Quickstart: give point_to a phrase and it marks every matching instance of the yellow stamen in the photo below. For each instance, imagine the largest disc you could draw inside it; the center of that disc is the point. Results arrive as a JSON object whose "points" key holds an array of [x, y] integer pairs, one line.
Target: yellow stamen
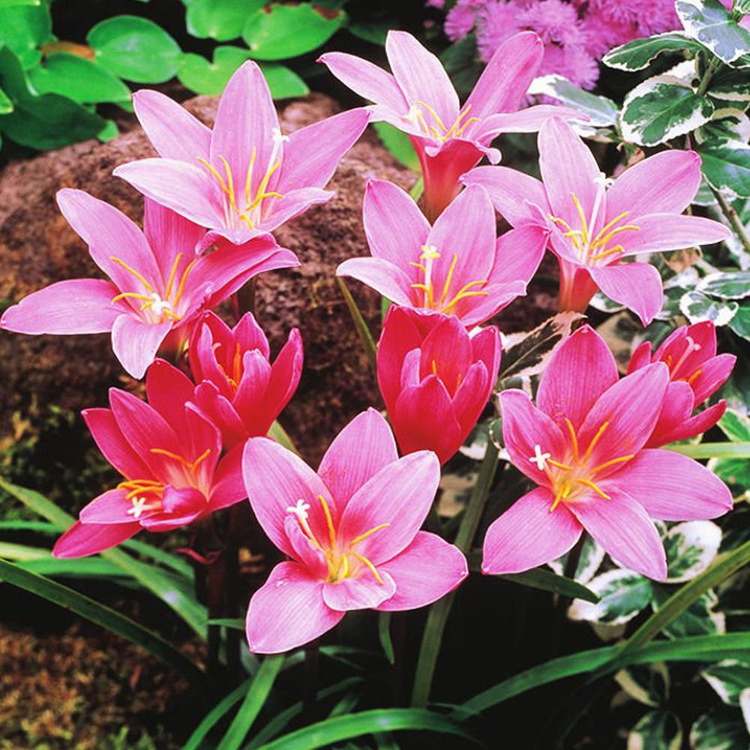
{"points": [[183, 280], [133, 271], [584, 225], [172, 275], [590, 484], [249, 179], [433, 113], [694, 377], [559, 465], [607, 464], [364, 560], [364, 536], [329, 520], [217, 175], [574, 438], [130, 295], [448, 279], [593, 443]]}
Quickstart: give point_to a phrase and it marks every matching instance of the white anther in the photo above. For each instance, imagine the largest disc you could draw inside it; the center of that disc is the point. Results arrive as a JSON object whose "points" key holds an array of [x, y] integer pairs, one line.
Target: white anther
{"points": [[159, 305], [539, 458], [139, 505], [278, 136]]}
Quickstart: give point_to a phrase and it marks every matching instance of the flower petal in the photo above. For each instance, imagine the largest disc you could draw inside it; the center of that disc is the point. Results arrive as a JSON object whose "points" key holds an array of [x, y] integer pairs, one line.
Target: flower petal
{"points": [[113, 445], [75, 306], [528, 534], [662, 232], [136, 343], [635, 285], [288, 611], [696, 425], [168, 390], [358, 452], [81, 539], [294, 203], [424, 572], [361, 592], [527, 120], [111, 506], [380, 275], [622, 527], [228, 485], [711, 376]]}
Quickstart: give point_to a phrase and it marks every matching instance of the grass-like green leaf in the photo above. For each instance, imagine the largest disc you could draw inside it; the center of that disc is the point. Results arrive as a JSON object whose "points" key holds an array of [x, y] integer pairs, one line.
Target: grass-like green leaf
{"points": [[215, 715]]}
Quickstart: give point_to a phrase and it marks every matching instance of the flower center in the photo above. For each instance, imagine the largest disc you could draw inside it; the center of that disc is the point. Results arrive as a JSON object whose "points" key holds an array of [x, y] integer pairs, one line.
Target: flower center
{"points": [[343, 561], [674, 367], [574, 476], [429, 122], [443, 302], [144, 494]]}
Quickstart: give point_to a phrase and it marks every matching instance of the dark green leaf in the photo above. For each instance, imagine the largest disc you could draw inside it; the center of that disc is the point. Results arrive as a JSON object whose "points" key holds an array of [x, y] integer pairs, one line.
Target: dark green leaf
{"points": [[726, 165], [463, 64], [697, 307], [384, 633], [691, 548], [637, 55], [279, 32], [221, 20], [398, 144], [721, 729], [135, 49], [740, 323], [622, 594], [215, 715], [698, 618], [710, 23], [728, 679], [372, 31], [657, 730], [6, 105]]}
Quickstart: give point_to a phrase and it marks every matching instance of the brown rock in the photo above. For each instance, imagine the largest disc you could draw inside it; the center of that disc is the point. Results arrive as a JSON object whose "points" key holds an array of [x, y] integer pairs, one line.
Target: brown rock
{"points": [[37, 247]]}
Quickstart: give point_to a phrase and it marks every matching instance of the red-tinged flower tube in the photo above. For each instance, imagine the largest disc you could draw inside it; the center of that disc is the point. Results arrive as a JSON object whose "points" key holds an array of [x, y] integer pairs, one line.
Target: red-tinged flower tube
{"points": [[435, 378]]}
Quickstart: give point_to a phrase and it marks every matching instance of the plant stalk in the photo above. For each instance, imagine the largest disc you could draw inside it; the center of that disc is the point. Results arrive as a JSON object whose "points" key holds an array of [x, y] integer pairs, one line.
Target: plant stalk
{"points": [[732, 217]]}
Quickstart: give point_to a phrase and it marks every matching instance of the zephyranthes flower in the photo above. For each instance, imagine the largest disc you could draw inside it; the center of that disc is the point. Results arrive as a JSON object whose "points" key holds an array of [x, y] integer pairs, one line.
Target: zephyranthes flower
{"points": [[351, 531], [583, 444], [158, 286], [169, 456], [595, 223], [456, 267], [435, 378], [244, 177], [239, 389], [420, 99], [695, 373]]}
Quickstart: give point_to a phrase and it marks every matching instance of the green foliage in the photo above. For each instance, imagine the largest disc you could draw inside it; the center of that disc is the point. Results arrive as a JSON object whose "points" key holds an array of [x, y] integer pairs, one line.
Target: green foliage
{"points": [[221, 20], [657, 730], [711, 24]]}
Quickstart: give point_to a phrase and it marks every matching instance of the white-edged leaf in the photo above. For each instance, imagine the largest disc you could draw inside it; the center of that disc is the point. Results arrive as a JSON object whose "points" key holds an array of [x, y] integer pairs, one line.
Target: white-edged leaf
{"points": [[711, 24], [726, 285], [646, 683], [745, 707], [589, 561], [602, 112], [623, 593], [690, 548], [697, 307], [720, 729], [726, 125], [639, 53], [728, 678], [735, 426], [657, 730], [726, 165], [698, 619]]}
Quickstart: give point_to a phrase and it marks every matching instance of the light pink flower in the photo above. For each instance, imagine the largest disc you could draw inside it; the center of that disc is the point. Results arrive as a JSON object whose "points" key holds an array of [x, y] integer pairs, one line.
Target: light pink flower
{"points": [[435, 378], [351, 531], [584, 445], [244, 177], [695, 373], [158, 286], [595, 225], [419, 99], [169, 456], [239, 389], [455, 267]]}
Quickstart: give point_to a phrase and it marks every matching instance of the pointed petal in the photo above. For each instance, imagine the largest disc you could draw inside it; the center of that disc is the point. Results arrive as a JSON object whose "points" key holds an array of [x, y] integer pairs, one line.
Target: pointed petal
{"points": [[172, 130], [288, 611], [180, 506], [635, 285], [399, 495], [622, 527], [136, 343], [380, 275], [578, 373], [640, 357], [421, 76], [472, 396], [358, 452], [113, 445], [527, 120], [313, 152], [528, 534], [228, 485], [661, 232], [361, 592], [673, 487], [81, 540], [395, 227], [168, 390], [663, 183], [285, 375], [111, 506], [675, 412], [712, 375], [700, 423], [294, 203], [519, 253], [525, 427], [424, 572], [75, 306]]}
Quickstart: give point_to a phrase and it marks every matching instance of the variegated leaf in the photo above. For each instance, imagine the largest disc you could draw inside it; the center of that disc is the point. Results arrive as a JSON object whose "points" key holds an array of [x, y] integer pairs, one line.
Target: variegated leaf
{"points": [[623, 594], [697, 307], [721, 729], [711, 24], [639, 53], [657, 730], [690, 548], [728, 679]]}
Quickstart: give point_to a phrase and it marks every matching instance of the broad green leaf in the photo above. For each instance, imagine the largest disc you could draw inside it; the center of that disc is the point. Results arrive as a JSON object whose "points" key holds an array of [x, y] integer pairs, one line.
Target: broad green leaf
{"points": [[283, 82], [254, 701], [657, 730], [371, 31], [602, 112], [10, 3], [690, 548], [727, 165], [729, 85], [699, 618], [726, 285], [135, 49], [221, 20], [215, 715], [728, 679], [637, 55], [79, 79], [101, 615], [341, 728], [6, 105], [622, 595], [461, 61], [711, 24], [24, 28], [398, 144], [646, 683], [740, 323], [721, 729], [696, 307], [728, 126], [204, 77], [733, 471], [279, 32], [735, 426], [604, 661], [109, 131], [662, 108]]}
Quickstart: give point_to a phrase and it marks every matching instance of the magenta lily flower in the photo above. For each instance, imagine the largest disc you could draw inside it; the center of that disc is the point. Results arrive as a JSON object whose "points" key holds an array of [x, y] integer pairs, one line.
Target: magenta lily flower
{"points": [[244, 177], [695, 373], [435, 378], [455, 267], [239, 389], [419, 99], [157, 286], [351, 532], [595, 225], [169, 456], [584, 445]]}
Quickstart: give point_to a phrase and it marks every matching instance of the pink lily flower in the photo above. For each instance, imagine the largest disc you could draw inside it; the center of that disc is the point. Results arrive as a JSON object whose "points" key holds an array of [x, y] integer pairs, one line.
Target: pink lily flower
{"points": [[435, 378], [455, 267], [239, 389], [157, 285], [351, 532], [695, 373], [584, 445], [244, 177], [419, 99], [595, 225], [169, 456]]}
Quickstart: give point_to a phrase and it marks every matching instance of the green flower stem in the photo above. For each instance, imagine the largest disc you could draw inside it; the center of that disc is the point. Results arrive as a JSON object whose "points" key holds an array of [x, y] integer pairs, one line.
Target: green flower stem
{"points": [[361, 325], [712, 450], [439, 612], [728, 210], [713, 65]]}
